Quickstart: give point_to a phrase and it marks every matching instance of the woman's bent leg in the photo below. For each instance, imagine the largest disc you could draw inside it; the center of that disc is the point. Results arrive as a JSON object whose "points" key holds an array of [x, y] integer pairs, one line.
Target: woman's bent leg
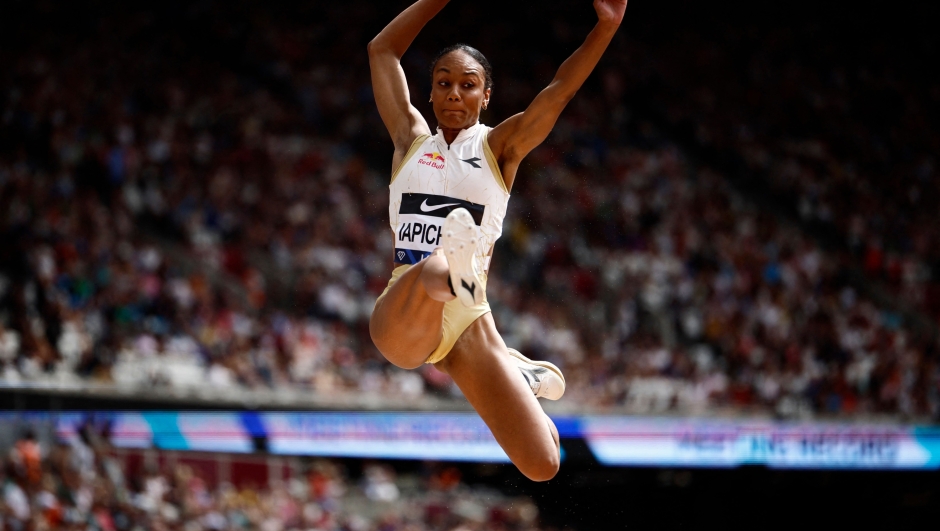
{"points": [[482, 368], [406, 322]]}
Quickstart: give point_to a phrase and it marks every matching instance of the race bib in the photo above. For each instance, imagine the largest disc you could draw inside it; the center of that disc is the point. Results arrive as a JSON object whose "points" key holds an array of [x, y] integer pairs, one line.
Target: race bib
{"points": [[420, 218]]}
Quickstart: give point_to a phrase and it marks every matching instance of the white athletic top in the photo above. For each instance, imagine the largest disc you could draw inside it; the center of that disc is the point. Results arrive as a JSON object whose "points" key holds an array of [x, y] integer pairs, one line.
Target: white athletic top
{"points": [[434, 179]]}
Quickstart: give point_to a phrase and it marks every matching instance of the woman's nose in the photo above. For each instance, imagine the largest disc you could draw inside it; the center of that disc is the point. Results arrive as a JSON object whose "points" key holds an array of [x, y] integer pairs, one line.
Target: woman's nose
{"points": [[453, 95]]}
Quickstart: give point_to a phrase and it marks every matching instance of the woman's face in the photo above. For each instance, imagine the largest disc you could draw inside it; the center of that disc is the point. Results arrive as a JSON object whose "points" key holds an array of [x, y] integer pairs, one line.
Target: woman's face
{"points": [[457, 91]]}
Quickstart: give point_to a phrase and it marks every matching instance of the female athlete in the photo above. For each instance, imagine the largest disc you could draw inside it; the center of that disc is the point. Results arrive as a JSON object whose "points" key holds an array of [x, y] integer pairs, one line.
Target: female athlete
{"points": [[449, 194]]}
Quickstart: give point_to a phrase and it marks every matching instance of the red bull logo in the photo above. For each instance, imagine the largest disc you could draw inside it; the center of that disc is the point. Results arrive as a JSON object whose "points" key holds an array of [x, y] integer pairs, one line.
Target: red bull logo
{"points": [[432, 159]]}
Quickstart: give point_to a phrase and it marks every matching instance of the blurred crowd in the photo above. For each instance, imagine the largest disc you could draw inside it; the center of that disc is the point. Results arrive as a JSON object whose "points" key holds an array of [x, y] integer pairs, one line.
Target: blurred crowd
{"points": [[82, 484], [689, 297], [839, 123], [191, 212]]}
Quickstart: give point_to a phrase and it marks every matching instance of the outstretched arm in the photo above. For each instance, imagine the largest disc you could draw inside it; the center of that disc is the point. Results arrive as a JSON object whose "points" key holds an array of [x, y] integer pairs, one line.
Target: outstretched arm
{"points": [[403, 121], [513, 139]]}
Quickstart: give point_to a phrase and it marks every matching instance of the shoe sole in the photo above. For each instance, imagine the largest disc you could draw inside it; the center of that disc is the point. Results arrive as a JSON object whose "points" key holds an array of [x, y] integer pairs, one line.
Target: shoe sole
{"points": [[460, 242], [545, 365]]}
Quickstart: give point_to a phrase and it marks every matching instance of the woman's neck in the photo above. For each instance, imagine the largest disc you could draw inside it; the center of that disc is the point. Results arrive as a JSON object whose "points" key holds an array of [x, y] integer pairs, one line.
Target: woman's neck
{"points": [[450, 134]]}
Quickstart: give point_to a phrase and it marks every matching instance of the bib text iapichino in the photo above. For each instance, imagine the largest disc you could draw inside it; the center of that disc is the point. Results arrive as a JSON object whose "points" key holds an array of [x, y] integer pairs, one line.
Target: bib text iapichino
{"points": [[420, 218]]}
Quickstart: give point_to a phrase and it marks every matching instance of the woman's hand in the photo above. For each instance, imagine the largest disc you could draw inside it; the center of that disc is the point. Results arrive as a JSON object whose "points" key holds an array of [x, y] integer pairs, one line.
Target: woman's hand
{"points": [[610, 11]]}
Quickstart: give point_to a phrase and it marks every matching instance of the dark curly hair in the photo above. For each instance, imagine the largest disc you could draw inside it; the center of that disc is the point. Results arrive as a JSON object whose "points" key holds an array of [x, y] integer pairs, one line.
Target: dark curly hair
{"points": [[472, 52]]}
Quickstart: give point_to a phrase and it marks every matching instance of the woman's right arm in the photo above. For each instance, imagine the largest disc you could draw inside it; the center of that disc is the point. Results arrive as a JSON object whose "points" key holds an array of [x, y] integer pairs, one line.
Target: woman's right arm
{"points": [[403, 121]]}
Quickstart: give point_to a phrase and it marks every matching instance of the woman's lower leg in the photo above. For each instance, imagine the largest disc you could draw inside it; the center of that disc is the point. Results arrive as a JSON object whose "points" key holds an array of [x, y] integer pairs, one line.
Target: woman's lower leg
{"points": [[481, 367]]}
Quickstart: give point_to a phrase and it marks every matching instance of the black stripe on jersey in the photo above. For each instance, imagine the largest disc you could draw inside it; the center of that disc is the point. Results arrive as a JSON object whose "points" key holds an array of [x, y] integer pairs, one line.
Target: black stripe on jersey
{"points": [[438, 206]]}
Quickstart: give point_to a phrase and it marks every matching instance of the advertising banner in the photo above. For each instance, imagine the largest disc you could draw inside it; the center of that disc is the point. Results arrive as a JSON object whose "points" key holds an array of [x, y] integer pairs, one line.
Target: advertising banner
{"points": [[731, 443], [443, 436], [166, 430], [456, 436]]}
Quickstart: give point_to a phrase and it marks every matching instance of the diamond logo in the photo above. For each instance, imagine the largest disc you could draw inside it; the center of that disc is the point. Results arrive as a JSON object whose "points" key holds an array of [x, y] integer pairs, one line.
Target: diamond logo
{"points": [[401, 255]]}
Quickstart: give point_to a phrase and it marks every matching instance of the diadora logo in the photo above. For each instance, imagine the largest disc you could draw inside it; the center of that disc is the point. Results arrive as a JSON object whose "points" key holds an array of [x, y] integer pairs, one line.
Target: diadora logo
{"points": [[433, 159]]}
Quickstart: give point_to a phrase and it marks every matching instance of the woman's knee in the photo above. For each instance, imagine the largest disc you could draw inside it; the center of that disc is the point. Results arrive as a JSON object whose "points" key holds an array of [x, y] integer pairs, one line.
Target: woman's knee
{"points": [[403, 358], [543, 468], [548, 460], [376, 333]]}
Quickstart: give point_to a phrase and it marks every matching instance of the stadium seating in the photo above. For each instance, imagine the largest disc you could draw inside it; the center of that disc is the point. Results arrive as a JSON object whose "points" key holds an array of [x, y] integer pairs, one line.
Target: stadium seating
{"points": [[222, 224], [84, 483]]}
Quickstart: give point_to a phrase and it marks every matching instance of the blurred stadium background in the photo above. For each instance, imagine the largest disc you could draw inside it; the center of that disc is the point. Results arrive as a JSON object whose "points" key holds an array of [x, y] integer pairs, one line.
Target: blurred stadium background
{"points": [[729, 244]]}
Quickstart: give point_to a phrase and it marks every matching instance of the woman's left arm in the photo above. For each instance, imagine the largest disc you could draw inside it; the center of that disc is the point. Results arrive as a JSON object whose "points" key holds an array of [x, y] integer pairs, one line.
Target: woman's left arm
{"points": [[514, 138]]}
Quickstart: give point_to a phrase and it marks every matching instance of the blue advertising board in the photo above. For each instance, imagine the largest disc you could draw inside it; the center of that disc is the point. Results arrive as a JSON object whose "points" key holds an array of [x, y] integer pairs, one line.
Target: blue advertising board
{"points": [[730, 443], [614, 440]]}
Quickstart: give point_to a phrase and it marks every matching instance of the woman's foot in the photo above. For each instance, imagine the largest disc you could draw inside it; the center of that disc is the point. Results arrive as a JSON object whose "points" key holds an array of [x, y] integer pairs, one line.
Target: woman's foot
{"points": [[461, 243], [545, 379]]}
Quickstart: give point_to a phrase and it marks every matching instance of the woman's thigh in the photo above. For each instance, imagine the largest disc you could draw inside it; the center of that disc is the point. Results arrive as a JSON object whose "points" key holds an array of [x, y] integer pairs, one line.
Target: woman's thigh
{"points": [[481, 366], [406, 323]]}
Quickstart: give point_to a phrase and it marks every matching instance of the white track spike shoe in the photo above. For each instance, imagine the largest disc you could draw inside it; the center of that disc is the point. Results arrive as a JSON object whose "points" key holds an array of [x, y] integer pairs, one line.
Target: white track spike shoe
{"points": [[461, 243], [545, 379]]}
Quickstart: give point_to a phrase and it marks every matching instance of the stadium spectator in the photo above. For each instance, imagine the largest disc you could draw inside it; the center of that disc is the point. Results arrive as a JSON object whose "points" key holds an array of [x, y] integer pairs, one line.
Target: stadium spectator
{"points": [[85, 485], [645, 275]]}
